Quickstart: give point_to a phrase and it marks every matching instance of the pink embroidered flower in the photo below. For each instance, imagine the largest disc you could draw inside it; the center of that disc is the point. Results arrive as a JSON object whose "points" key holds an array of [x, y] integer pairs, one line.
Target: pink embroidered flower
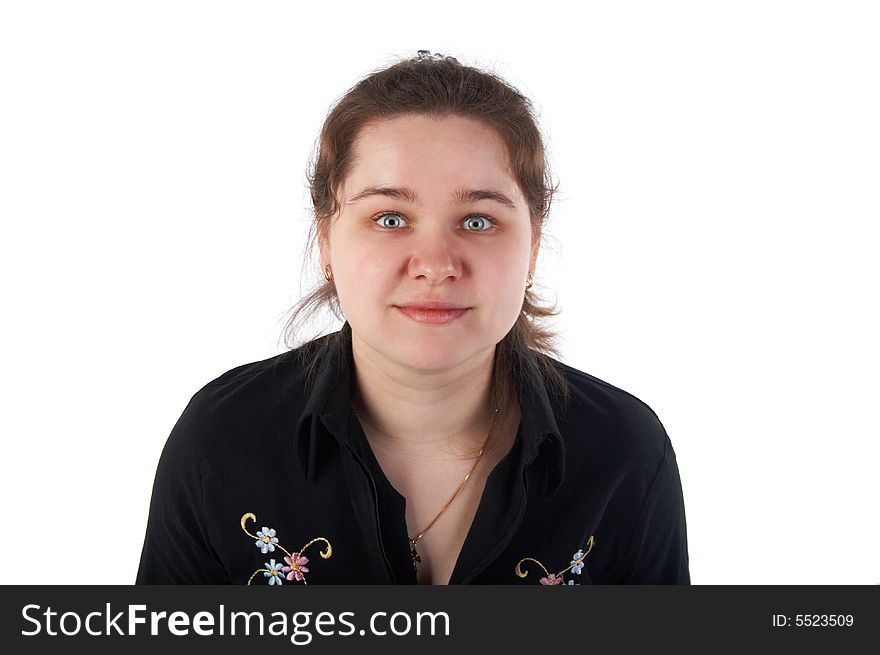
{"points": [[296, 566], [551, 579]]}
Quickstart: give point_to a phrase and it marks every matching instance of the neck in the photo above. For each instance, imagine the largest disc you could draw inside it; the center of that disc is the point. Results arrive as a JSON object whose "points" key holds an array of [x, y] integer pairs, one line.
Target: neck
{"points": [[414, 413]]}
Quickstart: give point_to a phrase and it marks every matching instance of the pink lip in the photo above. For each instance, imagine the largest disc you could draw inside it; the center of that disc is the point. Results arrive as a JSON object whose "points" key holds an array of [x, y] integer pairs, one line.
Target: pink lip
{"points": [[431, 304], [432, 316]]}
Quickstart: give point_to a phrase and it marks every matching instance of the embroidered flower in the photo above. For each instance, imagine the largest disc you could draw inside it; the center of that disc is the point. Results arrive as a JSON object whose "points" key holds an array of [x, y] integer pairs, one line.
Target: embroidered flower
{"points": [[274, 572], [296, 566], [551, 579], [577, 563], [576, 566], [266, 540]]}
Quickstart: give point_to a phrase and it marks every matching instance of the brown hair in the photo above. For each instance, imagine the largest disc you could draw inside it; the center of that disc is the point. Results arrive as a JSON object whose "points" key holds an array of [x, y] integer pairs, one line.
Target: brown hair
{"points": [[440, 86]]}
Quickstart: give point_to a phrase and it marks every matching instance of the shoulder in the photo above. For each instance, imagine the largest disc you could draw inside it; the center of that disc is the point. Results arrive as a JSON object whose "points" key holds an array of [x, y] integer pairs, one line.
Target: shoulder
{"points": [[602, 416], [246, 404]]}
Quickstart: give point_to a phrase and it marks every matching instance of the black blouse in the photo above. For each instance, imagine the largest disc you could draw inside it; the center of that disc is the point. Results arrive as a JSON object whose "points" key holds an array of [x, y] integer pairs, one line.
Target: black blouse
{"points": [[265, 479]]}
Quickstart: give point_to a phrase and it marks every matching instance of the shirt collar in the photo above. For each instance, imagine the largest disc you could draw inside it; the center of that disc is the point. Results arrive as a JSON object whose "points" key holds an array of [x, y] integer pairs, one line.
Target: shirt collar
{"points": [[328, 406]]}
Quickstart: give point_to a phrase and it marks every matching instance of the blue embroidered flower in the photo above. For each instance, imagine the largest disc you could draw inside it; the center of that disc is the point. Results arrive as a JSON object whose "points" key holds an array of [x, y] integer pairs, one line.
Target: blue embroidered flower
{"points": [[274, 572], [266, 540], [577, 562]]}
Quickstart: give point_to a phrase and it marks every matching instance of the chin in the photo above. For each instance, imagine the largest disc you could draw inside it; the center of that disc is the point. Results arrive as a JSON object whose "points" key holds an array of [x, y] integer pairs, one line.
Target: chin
{"points": [[426, 347], [430, 357], [431, 352]]}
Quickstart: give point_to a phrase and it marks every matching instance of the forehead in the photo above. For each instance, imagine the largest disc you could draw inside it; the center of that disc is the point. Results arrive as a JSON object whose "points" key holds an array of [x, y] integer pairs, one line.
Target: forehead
{"points": [[431, 153]]}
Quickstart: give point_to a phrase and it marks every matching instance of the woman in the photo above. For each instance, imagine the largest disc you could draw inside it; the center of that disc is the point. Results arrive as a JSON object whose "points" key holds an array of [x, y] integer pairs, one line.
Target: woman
{"points": [[431, 440]]}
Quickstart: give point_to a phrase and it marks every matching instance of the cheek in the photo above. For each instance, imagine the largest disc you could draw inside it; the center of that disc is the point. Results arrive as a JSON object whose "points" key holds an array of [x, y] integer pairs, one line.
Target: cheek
{"points": [[501, 289], [355, 260], [358, 268], [364, 275], [501, 267]]}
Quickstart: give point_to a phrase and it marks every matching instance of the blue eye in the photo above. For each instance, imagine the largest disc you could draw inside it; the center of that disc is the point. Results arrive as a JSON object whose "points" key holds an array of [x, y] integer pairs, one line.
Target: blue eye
{"points": [[478, 220], [397, 219]]}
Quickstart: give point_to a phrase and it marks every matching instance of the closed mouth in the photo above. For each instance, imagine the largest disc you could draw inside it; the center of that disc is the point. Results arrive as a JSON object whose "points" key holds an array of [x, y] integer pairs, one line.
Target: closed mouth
{"points": [[433, 307]]}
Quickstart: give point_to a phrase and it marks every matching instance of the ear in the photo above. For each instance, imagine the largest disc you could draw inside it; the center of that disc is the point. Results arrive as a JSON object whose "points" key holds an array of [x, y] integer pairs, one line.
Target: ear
{"points": [[533, 259], [323, 249]]}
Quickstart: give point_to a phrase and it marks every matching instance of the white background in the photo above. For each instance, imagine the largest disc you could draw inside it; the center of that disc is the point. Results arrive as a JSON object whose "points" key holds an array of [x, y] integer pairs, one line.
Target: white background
{"points": [[713, 246]]}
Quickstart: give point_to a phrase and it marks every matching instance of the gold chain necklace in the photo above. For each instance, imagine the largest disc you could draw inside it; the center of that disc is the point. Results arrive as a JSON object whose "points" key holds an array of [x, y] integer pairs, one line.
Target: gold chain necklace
{"points": [[416, 558]]}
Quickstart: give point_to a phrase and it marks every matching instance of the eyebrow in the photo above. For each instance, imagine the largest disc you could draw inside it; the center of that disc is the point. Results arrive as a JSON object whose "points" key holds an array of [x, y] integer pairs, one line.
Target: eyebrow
{"points": [[461, 196]]}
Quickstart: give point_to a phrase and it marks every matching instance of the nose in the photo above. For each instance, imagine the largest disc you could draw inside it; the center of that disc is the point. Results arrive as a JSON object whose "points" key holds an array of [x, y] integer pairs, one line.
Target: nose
{"points": [[435, 256]]}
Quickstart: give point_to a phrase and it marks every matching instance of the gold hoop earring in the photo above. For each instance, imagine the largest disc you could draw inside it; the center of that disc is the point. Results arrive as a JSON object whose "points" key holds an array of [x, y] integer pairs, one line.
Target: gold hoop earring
{"points": [[328, 273], [529, 281]]}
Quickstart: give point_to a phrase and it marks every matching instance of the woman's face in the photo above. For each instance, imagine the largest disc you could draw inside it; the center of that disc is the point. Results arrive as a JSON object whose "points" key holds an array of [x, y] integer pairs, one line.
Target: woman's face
{"points": [[417, 225]]}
